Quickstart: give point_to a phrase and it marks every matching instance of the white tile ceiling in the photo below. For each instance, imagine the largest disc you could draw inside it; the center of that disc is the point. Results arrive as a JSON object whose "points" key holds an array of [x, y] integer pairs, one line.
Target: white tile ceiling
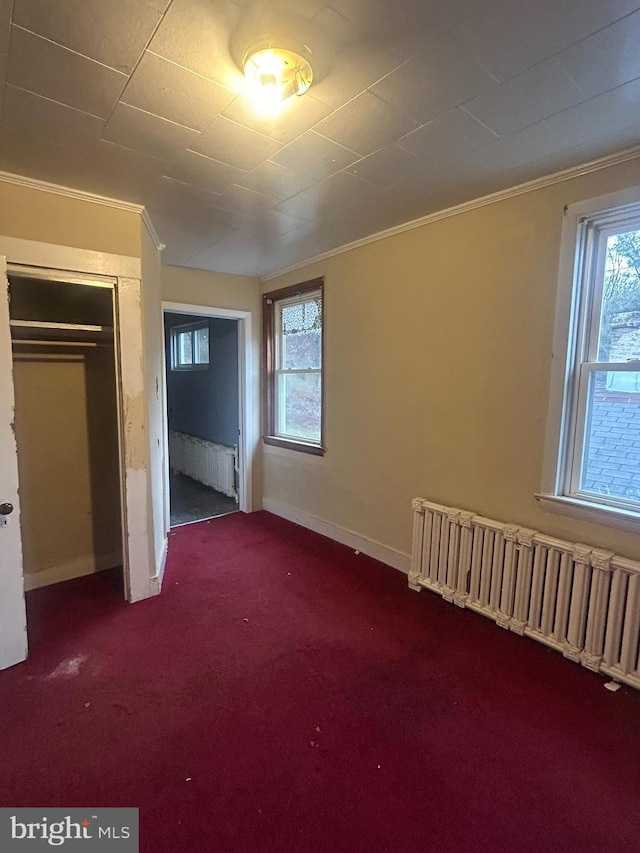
{"points": [[416, 105]]}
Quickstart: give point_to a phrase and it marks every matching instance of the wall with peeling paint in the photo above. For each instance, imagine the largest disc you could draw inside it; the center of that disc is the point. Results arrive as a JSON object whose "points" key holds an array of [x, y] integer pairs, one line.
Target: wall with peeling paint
{"points": [[238, 293], [139, 509], [116, 236], [154, 365]]}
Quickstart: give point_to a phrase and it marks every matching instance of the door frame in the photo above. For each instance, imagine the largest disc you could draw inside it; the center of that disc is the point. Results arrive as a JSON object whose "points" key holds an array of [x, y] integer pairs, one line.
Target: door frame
{"points": [[109, 283], [248, 437], [126, 272]]}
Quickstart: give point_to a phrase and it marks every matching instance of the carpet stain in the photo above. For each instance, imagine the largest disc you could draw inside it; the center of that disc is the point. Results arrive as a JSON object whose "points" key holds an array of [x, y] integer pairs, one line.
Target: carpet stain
{"points": [[68, 668]]}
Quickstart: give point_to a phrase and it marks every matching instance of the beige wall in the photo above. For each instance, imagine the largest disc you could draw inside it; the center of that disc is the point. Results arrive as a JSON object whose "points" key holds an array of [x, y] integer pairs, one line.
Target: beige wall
{"points": [[238, 293], [438, 349], [32, 214], [217, 289], [68, 462]]}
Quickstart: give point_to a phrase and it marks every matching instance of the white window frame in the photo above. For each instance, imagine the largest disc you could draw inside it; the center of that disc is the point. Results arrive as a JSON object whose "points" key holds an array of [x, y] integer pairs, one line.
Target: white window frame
{"points": [[585, 230], [176, 332]]}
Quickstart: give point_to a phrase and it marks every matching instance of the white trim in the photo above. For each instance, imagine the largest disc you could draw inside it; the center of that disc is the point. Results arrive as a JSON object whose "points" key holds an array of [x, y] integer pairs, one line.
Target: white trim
{"points": [[89, 565], [13, 618], [567, 350], [155, 585], [83, 195], [166, 495], [69, 192], [155, 239], [126, 274], [554, 436], [520, 189], [249, 439], [383, 553], [587, 511], [204, 310], [602, 203], [138, 544], [64, 258]]}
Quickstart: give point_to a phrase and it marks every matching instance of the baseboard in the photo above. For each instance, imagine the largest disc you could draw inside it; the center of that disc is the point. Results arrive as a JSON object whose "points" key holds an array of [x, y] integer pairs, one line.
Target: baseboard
{"points": [[155, 585], [88, 565], [383, 553]]}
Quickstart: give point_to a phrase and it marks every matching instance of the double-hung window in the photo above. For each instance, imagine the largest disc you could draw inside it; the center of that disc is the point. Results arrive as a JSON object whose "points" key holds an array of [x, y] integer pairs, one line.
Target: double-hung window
{"points": [[190, 346], [596, 463], [293, 327]]}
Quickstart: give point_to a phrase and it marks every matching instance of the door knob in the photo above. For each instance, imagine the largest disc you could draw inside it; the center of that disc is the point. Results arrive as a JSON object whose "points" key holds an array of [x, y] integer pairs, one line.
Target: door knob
{"points": [[6, 508]]}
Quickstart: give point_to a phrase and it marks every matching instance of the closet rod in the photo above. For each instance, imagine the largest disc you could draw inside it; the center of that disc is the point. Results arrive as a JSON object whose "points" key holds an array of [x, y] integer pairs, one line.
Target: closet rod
{"points": [[38, 325], [61, 343]]}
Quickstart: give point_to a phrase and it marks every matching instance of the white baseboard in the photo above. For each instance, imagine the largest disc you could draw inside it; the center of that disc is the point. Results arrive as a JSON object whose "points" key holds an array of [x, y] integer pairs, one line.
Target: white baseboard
{"points": [[88, 565], [383, 553], [155, 585]]}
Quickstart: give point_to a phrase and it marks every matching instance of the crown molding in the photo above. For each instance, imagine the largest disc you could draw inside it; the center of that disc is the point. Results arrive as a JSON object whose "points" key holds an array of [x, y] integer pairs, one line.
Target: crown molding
{"points": [[83, 195], [157, 242], [69, 192], [520, 189]]}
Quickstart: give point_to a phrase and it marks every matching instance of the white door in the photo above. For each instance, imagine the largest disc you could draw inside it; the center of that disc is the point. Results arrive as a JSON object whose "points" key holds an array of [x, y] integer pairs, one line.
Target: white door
{"points": [[13, 620]]}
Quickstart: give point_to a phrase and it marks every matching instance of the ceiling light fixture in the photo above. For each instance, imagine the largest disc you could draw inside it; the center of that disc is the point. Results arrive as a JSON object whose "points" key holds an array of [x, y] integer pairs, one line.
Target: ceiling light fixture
{"points": [[274, 74]]}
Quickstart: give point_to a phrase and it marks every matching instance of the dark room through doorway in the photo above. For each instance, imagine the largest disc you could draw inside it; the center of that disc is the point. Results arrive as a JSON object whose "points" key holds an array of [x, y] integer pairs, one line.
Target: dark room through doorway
{"points": [[203, 416]]}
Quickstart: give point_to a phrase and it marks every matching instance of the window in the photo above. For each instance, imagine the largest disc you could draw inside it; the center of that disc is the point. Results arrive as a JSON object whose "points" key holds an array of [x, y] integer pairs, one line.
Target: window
{"points": [[190, 346], [293, 328], [597, 437]]}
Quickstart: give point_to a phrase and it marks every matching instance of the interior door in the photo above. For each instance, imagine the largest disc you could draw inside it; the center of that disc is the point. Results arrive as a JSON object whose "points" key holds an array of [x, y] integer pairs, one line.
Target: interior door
{"points": [[13, 620]]}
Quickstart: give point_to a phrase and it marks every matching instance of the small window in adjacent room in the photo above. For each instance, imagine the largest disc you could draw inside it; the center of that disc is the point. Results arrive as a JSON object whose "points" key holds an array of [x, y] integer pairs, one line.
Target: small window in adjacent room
{"points": [[190, 346], [293, 328], [594, 438]]}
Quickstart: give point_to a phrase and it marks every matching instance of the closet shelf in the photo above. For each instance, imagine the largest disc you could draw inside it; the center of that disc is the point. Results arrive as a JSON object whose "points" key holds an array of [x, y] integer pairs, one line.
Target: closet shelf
{"points": [[21, 329]]}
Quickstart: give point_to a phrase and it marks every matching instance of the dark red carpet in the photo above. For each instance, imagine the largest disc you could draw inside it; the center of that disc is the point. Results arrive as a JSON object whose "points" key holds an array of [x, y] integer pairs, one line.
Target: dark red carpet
{"points": [[285, 694]]}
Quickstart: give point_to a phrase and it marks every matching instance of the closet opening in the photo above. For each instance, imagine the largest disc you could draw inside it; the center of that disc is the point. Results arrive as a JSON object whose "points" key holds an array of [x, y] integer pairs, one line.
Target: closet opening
{"points": [[67, 427]]}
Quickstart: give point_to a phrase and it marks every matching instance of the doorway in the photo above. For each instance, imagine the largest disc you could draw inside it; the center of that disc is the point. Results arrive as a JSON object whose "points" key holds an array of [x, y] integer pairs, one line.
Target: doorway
{"points": [[141, 558], [203, 403]]}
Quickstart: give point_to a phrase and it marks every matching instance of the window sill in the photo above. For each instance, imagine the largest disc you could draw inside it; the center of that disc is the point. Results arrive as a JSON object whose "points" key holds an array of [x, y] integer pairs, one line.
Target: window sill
{"points": [[586, 511], [189, 368], [289, 444]]}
